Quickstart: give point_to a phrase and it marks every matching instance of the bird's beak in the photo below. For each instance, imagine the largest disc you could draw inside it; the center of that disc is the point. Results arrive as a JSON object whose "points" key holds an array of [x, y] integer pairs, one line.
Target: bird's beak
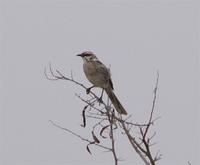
{"points": [[80, 55]]}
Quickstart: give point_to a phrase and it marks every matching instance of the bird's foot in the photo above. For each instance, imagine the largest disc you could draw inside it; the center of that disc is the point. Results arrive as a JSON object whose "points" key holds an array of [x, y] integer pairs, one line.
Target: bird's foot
{"points": [[100, 100], [88, 90]]}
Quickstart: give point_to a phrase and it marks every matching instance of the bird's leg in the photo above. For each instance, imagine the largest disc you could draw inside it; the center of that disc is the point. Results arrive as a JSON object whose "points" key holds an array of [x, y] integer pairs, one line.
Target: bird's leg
{"points": [[101, 98], [88, 89]]}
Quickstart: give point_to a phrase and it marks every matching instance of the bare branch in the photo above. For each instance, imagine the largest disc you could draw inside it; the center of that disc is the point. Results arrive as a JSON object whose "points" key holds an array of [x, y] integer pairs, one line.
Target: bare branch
{"points": [[113, 140], [106, 119], [46, 75], [153, 106], [139, 150], [79, 136]]}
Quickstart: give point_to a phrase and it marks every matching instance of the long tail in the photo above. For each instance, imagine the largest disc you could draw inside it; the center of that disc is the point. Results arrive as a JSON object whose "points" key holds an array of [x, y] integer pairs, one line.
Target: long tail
{"points": [[119, 108]]}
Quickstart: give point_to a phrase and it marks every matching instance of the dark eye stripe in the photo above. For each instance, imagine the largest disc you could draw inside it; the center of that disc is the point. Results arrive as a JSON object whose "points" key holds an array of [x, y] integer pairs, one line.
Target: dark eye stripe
{"points": [[87, 53]]}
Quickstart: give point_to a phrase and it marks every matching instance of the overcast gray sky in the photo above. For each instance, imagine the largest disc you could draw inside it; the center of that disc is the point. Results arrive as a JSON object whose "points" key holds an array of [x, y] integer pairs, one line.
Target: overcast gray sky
{"points": [[134, 37]]}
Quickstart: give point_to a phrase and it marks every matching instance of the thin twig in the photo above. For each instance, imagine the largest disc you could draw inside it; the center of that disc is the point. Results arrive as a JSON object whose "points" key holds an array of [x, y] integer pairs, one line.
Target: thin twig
{"points": [[153, 106], [113, 140], [77, 135], [135, 145]]}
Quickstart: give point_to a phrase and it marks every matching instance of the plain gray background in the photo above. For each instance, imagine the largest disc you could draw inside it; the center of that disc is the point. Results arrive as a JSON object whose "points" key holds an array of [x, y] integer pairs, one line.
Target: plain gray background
{"points": [[135, 37]]}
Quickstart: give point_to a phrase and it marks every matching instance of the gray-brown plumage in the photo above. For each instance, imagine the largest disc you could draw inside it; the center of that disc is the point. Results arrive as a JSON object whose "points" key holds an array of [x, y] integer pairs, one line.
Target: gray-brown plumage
{"points": [[99, 75]]}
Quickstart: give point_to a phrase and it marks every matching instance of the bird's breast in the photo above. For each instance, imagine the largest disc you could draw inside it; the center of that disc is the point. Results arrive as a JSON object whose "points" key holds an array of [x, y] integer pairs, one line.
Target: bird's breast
{"points": [[96, 77]]}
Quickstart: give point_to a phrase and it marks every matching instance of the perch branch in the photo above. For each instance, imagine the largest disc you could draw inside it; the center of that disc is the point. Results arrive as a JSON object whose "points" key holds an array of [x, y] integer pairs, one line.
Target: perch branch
{"points": [[108, 120]]}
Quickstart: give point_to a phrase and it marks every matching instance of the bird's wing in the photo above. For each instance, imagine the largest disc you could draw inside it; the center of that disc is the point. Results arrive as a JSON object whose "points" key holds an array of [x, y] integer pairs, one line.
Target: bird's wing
{"points": [[105, 72]]}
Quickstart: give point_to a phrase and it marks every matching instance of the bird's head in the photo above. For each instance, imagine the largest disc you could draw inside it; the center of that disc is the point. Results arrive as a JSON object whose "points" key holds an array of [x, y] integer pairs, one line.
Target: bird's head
{"points": [[88, 56]]}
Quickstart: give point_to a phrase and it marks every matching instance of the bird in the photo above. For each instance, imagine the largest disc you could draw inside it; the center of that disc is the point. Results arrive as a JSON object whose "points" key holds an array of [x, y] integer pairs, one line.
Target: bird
{"points": [[99, 75]]}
